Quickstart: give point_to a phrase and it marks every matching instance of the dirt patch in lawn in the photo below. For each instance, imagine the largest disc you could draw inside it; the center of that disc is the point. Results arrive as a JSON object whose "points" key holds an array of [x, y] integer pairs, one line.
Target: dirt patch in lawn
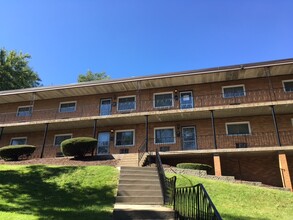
{"points": [[66, 161]]}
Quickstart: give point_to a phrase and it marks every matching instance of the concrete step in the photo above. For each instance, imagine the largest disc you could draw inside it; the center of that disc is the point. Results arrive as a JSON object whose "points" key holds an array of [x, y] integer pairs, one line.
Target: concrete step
{"points": [[130, 192], [143, 169], [151, 200], [140, 176], [144, 186], [135, 212], [130, 160], [137, 169], [128, 164], [140, 181], [139, 173]]}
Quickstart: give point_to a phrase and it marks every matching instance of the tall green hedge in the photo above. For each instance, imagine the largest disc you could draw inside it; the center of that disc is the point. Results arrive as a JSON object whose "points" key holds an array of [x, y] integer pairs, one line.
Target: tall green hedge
{"points": [[13, 152], [79, 146], [194, 166]]}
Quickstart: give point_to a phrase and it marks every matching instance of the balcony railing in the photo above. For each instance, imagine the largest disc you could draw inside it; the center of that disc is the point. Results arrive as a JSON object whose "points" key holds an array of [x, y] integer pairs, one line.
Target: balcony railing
{"points": [[203, 142], [251, 96], [206, 142]]}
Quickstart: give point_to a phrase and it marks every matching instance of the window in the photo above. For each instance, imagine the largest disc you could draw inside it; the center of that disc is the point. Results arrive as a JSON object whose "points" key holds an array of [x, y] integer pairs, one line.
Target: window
{"points": [[61, 137], [163, 100], [126, 103], [18, 141], [105, 107], [67, 107], [165, 135], [24, 111], [124, 138], [233, 91], [288, 85], [186, 100], [238, 128]]}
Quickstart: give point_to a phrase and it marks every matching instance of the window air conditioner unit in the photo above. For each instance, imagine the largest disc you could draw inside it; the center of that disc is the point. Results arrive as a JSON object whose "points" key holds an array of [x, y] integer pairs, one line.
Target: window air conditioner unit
{"points": [[241, 145]]}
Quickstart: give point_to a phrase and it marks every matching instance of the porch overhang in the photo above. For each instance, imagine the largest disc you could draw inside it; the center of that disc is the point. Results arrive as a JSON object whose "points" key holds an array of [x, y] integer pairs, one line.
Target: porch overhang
{"points": [[226, 73]]}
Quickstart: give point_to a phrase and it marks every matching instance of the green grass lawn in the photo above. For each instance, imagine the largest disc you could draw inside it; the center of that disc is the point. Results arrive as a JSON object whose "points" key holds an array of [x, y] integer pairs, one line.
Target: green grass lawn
{"points": [[244, 202], [57, 192]]}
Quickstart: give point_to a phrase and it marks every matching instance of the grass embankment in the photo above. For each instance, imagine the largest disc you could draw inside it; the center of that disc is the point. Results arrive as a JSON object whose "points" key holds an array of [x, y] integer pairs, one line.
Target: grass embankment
{"points": [[57, 192], [244, 202]]}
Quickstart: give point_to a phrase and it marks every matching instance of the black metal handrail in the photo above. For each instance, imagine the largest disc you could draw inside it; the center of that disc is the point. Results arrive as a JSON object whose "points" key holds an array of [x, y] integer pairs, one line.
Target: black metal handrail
{"points": [[194, 203], [167, 184], [141, 152], [189, 203]]}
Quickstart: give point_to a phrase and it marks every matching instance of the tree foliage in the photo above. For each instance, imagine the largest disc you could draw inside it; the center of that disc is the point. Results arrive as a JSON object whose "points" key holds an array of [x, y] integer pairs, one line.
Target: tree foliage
{"points": [[90, 76], [15, 72]]}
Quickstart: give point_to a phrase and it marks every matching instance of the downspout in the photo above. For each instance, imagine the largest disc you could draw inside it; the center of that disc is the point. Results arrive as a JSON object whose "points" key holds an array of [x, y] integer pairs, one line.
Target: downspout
{"points": [[44, 140], [276, 126], [214, 129], [146, 133]]}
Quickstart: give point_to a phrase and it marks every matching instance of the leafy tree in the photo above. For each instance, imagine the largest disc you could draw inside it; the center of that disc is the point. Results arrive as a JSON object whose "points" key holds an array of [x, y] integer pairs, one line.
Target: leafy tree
{"points": [[90, 76], [15, 72]]}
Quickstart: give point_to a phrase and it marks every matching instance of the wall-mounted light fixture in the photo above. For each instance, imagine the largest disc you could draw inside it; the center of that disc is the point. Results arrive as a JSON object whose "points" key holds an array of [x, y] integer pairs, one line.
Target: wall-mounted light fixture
{"points": [[178, 130], [176, 94], [112, 135]]}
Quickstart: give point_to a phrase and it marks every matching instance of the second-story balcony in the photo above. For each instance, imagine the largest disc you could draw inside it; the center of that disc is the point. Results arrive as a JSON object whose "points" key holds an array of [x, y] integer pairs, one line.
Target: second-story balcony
{"points": [[133, 104]]}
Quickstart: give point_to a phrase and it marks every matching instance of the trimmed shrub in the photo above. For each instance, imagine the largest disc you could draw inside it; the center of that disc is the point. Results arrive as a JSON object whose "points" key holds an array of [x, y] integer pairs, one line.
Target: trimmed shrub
{"points": [[14, 152], [194, 166], [79, 146]]}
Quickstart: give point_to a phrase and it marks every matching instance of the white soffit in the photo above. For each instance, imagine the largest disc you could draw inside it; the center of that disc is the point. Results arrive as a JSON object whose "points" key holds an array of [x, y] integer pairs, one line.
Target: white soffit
{"points": [[236, 72]]}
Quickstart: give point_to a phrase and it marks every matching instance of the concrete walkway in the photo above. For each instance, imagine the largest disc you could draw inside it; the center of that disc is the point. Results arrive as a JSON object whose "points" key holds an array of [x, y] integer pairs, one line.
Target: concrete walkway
{"points": [[130, 211]]}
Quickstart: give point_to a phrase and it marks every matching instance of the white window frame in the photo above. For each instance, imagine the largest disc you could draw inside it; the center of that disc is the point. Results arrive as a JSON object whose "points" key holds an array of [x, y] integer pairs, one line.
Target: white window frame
{"points": [[240, 122], [58, 135], [61, 103], [133, 130], [160, 128], [125, 110], [24, 106], [162, 93], [192, 101], [240, 85], [15, 138], [283, 83]]}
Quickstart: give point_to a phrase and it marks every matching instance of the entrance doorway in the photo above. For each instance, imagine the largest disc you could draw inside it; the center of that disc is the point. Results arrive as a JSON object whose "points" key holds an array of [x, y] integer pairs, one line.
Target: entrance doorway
{"points": [[103, 142], [189, 138]]}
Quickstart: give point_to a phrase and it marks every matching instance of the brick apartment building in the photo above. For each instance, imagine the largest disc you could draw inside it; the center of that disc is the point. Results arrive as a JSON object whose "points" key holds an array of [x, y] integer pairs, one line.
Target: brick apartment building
{"points": [[238, 118]]}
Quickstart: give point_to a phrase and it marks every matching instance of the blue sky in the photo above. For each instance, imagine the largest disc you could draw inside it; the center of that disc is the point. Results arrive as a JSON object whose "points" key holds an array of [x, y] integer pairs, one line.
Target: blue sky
{"points": [[128, 38]]}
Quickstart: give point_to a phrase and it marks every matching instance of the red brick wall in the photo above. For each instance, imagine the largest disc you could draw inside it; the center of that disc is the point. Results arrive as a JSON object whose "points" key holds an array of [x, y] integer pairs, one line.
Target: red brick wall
{"points": [[253, 168]]}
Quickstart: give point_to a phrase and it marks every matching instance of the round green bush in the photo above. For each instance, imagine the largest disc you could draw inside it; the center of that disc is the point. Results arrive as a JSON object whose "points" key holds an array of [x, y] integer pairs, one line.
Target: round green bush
{"points": [[14, 152], [194, 166], [79, 146]]}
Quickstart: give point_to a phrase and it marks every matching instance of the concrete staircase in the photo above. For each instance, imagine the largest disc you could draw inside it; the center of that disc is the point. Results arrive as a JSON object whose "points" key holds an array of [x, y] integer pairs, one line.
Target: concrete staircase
{"points": [[128, 160], [139, 195], [139, 185]]}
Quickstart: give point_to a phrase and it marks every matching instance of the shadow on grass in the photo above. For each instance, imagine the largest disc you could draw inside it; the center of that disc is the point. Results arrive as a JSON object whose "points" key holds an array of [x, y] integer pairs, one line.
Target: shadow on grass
{"points": [[94, 158], [233, 217], [30, 191]]}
